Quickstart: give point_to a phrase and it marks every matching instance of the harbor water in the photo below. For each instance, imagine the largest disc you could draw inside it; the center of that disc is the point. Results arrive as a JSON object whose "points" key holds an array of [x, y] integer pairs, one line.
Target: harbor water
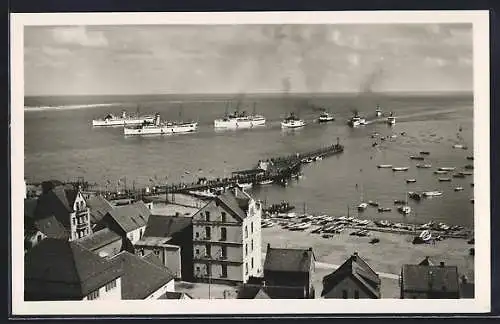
{"points": [[61, 144]]}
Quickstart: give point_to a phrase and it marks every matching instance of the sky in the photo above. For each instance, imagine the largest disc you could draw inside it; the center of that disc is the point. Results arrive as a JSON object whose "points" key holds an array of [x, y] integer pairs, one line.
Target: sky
{"points": [[103, 60]]}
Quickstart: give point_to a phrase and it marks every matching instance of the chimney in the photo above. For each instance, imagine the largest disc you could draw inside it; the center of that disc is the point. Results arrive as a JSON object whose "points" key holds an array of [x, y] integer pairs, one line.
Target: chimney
{"points": [[355, 256], [441, 264]]}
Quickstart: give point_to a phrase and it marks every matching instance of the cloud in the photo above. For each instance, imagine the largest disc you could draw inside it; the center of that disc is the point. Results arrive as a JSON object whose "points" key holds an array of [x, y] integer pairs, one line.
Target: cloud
{"points": [[79, 36]]}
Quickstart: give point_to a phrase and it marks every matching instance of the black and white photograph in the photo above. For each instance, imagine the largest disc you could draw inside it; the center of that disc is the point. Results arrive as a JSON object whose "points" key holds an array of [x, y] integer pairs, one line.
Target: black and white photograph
{"points": [[208, 157]]}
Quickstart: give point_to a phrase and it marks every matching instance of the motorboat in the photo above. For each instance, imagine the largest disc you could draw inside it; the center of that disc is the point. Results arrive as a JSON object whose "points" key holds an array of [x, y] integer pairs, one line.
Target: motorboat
{"points": [[292, 122], [391, 120], [378, 111], [400, 169]]}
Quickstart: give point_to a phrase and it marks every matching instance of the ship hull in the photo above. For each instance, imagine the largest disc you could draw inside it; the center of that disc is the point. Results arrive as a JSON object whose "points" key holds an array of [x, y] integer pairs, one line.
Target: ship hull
{"points": [[162, 130], [238, 124]]}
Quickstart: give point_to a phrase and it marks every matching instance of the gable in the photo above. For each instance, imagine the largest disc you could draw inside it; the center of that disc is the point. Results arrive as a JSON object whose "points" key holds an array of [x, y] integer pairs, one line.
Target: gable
{"points": [[347, 282], [215, 209]]}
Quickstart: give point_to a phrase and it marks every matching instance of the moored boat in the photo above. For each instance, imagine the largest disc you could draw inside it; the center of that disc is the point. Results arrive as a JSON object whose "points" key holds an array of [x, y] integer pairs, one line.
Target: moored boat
{"points": [[400, 168], [404, 210], [325, 117], [384, 166], [458, 188], [240, 120], [122, 120], [356, 120], [413, 157], [378, 111], [265, 182], [470, 157], [424, 166], [432, 193], [441, 172], [414, 195], [444, 179], [458, 175], [161, 128], [362, 206], [292, 121], [446, 169], [384, 209], [460, 146], [425, 152], [391, 120], [411, 180], [373, 203]]}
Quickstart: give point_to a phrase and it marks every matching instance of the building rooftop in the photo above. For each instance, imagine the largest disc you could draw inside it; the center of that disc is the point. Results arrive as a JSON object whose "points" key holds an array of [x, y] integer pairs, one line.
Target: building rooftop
{"points": [[30, 207], [59, 270], [356, 267], [52, 227], [131, 217], [98, 207], [175, 295], [141, 277], [99, 239], [270, 292], [236, 201], [166, 226], [289, 260], [155, 241], [430, 279]]}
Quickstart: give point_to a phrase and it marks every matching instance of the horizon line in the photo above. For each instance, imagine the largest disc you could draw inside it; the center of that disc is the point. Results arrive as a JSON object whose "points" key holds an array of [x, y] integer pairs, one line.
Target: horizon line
{"points": [[259, 93]]}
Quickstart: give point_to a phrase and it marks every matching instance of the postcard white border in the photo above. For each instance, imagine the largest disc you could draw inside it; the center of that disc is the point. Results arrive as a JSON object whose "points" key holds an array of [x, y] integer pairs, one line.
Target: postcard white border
{"points": [[481, 303]]}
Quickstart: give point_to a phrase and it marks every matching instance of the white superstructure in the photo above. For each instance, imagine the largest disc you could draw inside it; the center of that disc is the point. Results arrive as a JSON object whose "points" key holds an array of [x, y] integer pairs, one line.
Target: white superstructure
{"points": [[159, 128], [357, 120], [123, 120], [292, 122]]}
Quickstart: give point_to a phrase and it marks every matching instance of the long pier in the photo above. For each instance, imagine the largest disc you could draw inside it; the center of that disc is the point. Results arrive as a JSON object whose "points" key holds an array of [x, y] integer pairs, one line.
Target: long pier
{"points": [[276, 169]]}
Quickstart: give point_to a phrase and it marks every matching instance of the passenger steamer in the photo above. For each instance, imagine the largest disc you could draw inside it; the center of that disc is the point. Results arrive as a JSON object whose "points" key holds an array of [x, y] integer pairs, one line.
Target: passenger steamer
{"points": [[157, 127]]}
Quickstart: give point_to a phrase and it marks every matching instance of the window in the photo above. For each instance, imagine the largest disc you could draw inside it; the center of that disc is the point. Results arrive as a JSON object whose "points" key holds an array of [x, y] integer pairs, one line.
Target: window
{"points": [[224, 271], [131, 236], [38, 238], [140, 234], [223, 234], [197, 269], [207, 216], [197, 251], [344, 294], [157, 252], [74, 221], [246, 231], [356, 294], [246, 249], [111, 285], [246, 268], [93, 295], [197, 235], [207, 233], [251, 264], [223, 217], [208, 250], [251, 228], [223, 252], [251, 246]]}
